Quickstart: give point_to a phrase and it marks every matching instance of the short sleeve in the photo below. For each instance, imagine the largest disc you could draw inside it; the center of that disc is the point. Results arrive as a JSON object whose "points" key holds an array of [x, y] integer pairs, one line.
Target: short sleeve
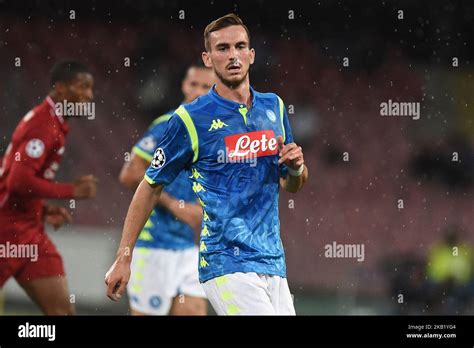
{"points": [[173, 153], [35, 148], [146, 146]]}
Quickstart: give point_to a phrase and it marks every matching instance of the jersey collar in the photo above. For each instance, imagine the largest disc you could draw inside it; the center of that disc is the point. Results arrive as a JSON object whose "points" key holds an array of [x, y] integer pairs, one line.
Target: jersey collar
{"points": [[230, 104]]}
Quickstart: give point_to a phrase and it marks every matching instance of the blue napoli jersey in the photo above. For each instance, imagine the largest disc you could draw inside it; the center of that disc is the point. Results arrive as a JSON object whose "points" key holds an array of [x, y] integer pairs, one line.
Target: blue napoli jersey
{"points": [[163, 230], [231, 156]]}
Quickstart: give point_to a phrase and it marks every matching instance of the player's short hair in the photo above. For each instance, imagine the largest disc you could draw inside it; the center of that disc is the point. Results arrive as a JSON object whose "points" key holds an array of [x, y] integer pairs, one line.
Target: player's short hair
{"points": [[66, 71], [221, 23], [198, 66]]}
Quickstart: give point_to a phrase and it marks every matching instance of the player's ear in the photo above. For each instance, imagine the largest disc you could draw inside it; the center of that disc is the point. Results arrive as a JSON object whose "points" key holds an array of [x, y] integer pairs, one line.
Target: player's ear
{"points": [[252, 55], [60, 88], [206, 59], [183, 86]]}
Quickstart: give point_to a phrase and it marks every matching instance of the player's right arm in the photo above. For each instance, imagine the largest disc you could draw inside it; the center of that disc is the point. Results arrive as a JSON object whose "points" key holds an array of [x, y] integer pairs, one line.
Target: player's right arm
{"points": [[293, 171], [140, 209], [24, 181], [133, 171], [142, 153], [174, 152], [132, 174]]}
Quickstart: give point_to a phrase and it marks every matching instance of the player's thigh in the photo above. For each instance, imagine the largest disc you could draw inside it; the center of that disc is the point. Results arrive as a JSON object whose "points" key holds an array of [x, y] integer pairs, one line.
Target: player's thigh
{"points": [[191, 299], [280, 295], [8, 268], [188, 305], [151, 288], [50, 294], [239, 294], [135, 312], [11, 266], [44, 280]]}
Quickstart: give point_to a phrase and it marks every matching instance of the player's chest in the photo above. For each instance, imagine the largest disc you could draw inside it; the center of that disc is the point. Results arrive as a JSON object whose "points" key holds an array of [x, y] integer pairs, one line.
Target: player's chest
{"points": [[240, 134]]}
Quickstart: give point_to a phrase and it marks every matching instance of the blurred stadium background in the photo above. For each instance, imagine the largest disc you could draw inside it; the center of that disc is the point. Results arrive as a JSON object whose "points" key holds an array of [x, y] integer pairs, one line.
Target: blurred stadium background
{"points": [[336, 111]]}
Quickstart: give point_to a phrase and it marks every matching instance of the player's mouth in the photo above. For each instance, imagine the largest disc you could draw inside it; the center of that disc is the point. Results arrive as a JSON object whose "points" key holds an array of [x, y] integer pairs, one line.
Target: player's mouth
{"points": [[234, 69]]}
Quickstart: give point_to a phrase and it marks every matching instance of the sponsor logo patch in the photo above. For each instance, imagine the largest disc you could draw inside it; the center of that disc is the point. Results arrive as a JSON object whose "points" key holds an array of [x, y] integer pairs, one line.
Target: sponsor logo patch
{"points": [[251, 144]]}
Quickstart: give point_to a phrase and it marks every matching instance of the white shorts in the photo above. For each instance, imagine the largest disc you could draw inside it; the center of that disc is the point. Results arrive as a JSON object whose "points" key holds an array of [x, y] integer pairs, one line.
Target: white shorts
{"points": [[249, 294], [159, 275]]}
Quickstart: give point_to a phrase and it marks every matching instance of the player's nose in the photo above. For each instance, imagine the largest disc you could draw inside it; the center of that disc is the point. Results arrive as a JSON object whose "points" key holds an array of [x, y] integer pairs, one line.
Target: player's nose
{"points": [[232, 54]]}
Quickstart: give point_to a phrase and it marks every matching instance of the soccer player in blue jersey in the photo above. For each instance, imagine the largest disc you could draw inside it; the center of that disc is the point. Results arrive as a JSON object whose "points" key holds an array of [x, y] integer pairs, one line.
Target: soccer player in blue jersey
{"points": [[237, 146], [164, 276]]}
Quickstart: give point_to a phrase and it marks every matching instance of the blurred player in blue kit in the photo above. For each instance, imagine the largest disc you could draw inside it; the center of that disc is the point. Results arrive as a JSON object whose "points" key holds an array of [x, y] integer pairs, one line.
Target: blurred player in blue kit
{"points": [[164, 276]]}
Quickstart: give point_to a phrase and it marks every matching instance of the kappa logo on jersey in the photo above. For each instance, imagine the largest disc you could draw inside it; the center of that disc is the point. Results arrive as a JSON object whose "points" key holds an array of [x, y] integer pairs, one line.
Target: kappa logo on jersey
{"points": [[159, 158], [217, 124], [35, 148], [251, 144]]}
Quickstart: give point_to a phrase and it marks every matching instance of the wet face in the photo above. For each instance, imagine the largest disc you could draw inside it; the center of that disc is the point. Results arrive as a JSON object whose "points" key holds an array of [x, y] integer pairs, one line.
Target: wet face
{"points": [[78, 90], [230, 55], [197, 82]]}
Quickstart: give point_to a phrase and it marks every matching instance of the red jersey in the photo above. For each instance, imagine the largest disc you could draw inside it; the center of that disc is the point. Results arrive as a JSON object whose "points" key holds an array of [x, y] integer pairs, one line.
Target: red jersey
{"points": [[29, 166]]}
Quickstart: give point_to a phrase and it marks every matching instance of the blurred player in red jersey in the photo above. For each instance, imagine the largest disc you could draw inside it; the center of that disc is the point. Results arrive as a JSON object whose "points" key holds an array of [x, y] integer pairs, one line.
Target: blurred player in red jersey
{"points": [[26, 178]]}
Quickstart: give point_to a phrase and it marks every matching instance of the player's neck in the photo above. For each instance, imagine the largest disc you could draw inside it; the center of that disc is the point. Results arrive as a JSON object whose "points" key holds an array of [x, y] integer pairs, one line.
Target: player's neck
{"points": [[54, 96], [239, 94], [56, 99]]}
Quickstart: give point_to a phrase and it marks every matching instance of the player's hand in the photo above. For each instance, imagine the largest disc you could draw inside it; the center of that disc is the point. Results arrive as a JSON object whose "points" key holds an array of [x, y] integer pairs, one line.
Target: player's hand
{"points": [[117, 279], [56, 216], [85, 186], [290, 154]]}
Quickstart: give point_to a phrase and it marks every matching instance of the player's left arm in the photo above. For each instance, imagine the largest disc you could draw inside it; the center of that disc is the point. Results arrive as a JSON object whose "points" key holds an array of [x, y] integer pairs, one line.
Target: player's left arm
{"points": [[141, 155], [133, 171], [291, 155], [187, 212], [293, 170]]}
